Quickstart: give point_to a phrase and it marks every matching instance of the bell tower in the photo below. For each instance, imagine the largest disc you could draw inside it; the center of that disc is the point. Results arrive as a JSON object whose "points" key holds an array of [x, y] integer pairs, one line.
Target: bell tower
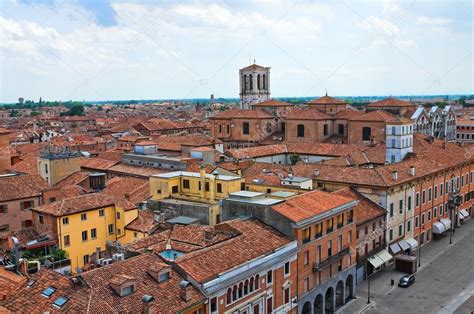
{"points": [[254, 85]]}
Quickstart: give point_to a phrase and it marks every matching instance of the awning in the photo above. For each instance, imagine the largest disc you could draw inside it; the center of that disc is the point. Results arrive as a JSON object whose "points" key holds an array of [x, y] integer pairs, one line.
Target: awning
{"points": [[438, 228], [404, 245], [464, 212], [376, 261], [460, 215], [385, 256], [446, 222], [395, 248], [412, 243]]}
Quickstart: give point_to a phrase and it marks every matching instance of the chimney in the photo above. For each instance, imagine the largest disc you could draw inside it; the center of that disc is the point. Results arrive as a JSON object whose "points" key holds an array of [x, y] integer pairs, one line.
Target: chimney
{"points": [[394, 175], [185, 290], [149, 305], [316, 173], [412, 171]]}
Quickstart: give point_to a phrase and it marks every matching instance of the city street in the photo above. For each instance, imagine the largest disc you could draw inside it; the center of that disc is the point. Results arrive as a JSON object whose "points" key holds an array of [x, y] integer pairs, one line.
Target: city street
{"points": [[444, 283]]}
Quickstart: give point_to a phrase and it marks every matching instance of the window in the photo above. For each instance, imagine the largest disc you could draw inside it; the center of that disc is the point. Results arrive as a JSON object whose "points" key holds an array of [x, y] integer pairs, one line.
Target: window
{"points": [[441, 210], [391, 209], [287, 268], [85, 259], [93, 233], [101, 212], [46, 168], [245, 128], [417, 200], [269, 304], [306, 284], [329, 248], [48, 292], [339, 242], [422, 219], [3, 209], [219, 187], [366, 133], [84, 216], [26, 205], [111, 229], [206, 186], [329, 225], [400, 230], [59, 302], [118, 215], [326, 129], [390, 235], [41, 219], [435, 212], [52, 199], [287, 295], [306, 235], [409, 203], [441, 189], [408, 225], [269, 277], [128, 290], [306, 258], [213, 305], [174, 189], [423, 197], [300, 130], [429, 215], [319, 230], [436, 191], [401, 207], [429, 195], [186, 183], [84, 236], [67, 240], [416, 222]]}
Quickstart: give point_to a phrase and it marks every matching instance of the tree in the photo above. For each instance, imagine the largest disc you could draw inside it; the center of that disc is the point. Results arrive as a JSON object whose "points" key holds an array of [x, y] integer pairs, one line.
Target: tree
{"points": [[294, 159], [74, 110]]}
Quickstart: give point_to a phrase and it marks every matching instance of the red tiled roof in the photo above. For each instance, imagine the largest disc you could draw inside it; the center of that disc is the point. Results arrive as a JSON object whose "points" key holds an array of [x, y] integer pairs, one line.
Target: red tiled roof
{"points": [[373, 116], [21, 186], [83, 203], [390, 102], [307, 205], [365, 210], [97, 163], [307, 114], [255, 240], [327, 100], [242, 114], [143, 223], [272, 103], [101, 298]]}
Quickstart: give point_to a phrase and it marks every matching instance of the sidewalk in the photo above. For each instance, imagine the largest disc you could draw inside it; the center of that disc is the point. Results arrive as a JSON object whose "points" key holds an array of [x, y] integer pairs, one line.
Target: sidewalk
{"points": [[380, 282]]}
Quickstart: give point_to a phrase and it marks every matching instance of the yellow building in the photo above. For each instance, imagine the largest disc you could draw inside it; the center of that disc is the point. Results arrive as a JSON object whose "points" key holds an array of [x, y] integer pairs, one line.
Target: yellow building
{"points": [[83, 225], [196, 187], [56, 163]]}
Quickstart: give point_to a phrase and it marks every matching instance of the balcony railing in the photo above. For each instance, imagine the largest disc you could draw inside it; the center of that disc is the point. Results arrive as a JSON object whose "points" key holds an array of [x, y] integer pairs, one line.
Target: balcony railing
{"points": [[329, 260], [339, 225]]}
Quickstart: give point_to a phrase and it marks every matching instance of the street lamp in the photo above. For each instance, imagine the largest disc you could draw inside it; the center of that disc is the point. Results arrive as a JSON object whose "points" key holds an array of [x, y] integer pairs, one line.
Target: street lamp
{"points": [[368, 280]]}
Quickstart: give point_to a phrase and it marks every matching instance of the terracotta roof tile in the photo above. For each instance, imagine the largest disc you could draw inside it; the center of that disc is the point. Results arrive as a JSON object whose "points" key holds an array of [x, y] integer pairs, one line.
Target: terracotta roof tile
{"points": [[242, 114], [373, 116], [307, 114], [390, 102], [327, 100], [365, 210], [307, 205], [21, 186]]}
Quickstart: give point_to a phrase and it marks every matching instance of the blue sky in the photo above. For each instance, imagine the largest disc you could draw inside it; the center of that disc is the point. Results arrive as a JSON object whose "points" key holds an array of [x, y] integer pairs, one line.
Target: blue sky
{"points": [[105, 49]]}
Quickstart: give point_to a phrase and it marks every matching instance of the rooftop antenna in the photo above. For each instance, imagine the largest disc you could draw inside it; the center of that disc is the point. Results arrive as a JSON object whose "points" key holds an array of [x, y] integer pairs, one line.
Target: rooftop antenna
{"points": [[254, 61]]}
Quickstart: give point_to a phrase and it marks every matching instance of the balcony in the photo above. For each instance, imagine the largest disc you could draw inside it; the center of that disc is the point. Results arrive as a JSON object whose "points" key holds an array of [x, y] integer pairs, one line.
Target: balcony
{"points": [[317, 266], [329, 230], [339, 225]]}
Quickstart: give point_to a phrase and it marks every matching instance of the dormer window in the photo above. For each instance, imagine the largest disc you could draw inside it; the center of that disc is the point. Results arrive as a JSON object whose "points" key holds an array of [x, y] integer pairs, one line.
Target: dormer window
{"points": [[160, 273], [48, 292], [123, 285]]}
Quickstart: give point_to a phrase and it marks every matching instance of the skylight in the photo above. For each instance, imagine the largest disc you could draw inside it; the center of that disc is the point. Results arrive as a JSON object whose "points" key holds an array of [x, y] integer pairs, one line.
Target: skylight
{"points": [[59, 302], [48, 292]]}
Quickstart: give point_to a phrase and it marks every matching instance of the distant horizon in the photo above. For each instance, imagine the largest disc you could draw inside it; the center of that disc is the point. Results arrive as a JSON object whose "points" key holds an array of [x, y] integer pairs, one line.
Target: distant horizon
{"points": [[371, 97]]}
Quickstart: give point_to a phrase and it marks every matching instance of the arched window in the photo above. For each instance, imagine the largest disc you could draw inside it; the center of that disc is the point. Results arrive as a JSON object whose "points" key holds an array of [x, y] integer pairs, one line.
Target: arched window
{"points": [[258, 81], [251, 81], [245, 82], [251, 284], [264, 82], [234, 293], [366, 133], [241, 290], [246, 287], [257, 281], [229, 296]]}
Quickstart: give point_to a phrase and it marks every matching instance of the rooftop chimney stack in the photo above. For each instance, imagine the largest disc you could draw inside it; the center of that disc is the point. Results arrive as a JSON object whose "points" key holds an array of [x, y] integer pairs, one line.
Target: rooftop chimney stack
{"points": [[185, 292]]}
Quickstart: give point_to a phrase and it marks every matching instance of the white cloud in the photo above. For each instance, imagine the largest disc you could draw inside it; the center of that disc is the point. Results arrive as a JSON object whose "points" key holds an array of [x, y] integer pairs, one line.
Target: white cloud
{"points": [[433, 21], [404, 43]]}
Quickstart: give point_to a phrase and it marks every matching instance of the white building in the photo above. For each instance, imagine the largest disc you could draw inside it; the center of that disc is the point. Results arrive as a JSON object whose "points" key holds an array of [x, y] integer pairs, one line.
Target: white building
{"points": [[399, 139], [254, 85]]}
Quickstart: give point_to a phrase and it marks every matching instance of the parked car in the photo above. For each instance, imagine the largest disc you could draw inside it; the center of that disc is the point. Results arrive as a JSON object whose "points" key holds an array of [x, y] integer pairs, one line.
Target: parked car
{"points": [[406, 281]]}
